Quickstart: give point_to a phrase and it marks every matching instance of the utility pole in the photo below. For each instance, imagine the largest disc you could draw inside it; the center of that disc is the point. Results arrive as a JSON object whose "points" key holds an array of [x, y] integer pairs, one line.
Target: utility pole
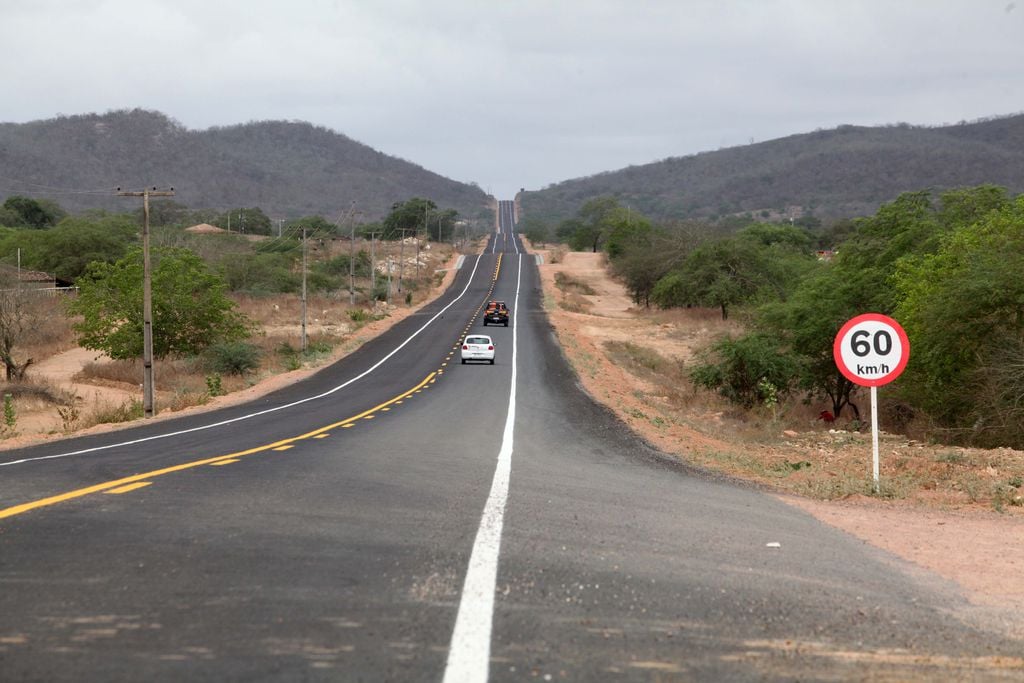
{"points": [[373, 267], [351, 254], [147, 298], [303, 289], [401, 259]]}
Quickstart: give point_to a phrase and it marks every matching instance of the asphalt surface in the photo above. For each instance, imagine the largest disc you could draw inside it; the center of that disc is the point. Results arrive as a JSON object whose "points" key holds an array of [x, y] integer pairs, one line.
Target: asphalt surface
{"points": [[332, 531]]}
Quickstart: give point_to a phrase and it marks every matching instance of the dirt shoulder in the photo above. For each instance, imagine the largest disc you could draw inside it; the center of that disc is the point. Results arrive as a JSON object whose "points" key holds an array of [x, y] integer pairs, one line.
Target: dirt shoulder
{"points": [[938, 526]]}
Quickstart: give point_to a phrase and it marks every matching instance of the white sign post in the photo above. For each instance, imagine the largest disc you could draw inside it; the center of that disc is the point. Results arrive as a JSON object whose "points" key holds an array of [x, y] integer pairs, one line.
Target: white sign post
{"points": [[871, 350]]}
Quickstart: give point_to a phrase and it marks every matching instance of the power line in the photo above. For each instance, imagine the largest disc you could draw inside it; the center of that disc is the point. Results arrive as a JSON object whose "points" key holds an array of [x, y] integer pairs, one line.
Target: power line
{"points": [[50, 189]]}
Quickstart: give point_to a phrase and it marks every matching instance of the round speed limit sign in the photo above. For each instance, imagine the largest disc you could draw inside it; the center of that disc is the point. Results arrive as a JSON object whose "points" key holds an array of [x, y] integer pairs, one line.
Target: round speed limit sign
{"points": [[871, 350]]}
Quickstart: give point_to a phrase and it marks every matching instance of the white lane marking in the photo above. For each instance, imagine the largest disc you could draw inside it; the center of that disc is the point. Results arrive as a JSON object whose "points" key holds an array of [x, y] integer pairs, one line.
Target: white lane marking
{"points": [[469, 655], [261, 412]]}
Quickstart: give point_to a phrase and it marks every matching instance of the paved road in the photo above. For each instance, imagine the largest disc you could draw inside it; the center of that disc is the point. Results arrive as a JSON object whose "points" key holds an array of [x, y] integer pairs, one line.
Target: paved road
{"points": [[401, 516]]}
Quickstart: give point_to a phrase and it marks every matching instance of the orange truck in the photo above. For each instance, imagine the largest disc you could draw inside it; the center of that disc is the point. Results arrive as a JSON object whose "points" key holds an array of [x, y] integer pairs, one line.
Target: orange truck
{"points": [[496, 313]]}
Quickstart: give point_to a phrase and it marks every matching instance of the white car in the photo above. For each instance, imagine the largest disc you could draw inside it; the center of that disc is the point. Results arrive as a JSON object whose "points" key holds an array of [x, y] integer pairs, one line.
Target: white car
{"points": [[478, 347]]}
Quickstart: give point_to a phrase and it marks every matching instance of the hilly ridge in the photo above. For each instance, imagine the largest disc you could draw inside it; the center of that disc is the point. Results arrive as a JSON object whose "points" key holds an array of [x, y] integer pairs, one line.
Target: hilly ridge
{"points": [[294, 168], [842, 172], [287, 168]]}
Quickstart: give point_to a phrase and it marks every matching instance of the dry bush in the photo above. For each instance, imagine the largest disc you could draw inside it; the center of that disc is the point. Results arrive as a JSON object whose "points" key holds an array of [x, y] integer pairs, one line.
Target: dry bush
{"points": [[120, 371], [50, 332], [575, 303], [36, 393], [109, 413], [570, 284]]}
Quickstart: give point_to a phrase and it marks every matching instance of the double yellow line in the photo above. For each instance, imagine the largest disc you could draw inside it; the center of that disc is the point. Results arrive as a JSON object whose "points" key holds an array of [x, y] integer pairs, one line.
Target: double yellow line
{"points": [[137, 481]]}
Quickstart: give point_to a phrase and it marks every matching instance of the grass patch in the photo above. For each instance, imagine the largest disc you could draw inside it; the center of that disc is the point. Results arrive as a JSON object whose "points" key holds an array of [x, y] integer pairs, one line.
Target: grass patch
{"points": [[951, 458], [39, 392], [634, 357], [107, 413], [569, 284], [574, 303]]}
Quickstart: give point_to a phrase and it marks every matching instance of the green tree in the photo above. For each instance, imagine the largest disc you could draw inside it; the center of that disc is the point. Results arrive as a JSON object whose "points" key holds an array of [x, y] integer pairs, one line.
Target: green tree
{"points": [[963, 308], [68, 249], [247, 221], [746, 370], [805, 325], [32, 213], [190, 310], [535, 230], [165, 212], [314, 225], [407, 217], [260, 273], [9, 217]]}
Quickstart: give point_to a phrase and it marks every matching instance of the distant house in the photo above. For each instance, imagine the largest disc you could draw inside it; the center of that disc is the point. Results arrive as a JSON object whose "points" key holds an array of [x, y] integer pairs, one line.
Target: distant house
{"points": [[205, 228], [11, 277]]}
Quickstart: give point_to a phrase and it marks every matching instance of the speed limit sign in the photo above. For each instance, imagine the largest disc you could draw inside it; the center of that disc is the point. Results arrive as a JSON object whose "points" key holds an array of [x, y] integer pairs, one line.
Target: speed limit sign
{"points": [[871, 350]]}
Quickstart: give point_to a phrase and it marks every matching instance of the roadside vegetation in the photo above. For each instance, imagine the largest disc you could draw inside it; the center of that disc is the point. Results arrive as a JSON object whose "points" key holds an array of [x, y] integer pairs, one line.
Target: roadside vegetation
{"points": [[945, 265], [227, 306]]}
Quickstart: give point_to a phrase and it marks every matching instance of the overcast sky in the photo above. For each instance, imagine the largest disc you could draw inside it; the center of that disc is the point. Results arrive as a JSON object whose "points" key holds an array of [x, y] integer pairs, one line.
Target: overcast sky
{"points": [[524, 93]]}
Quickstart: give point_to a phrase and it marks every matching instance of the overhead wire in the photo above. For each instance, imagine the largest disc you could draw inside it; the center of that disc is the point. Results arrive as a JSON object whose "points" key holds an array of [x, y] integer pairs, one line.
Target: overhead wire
{"points": [[50, 189]]}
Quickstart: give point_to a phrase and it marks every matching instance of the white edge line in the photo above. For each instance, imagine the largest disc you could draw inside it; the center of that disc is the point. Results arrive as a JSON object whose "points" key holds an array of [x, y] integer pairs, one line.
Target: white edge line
{"points": [[247, 416], [469, 655]]}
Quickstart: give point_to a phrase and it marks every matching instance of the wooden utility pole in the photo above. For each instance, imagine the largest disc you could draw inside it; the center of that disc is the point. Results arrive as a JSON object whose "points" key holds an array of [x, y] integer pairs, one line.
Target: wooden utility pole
{"points": [[303, 289], [148, 409], [351, 253], [373, 268]]}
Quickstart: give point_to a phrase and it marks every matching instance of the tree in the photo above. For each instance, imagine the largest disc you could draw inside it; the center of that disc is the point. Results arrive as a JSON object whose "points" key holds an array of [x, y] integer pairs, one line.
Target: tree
{"points": [[407, 217], [314, 225], [535, 230], [16, 320], [31, 213], [746, 371], [164, 212], [597, 220], [440, 225], [69, 248], [962, 308], [247, 221], [9, 217], [806, 323], [190, 310], [641, 255]]}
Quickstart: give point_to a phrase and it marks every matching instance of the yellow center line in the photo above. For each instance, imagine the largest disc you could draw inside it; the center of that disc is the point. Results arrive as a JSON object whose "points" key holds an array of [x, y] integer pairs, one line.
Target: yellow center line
{"points": [[129, 487], [113, 486]]}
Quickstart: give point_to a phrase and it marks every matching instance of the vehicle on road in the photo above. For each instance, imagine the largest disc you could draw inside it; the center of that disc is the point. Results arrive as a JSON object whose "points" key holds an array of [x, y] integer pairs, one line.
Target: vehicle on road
{"points": [[496, 313], [478, 347]]}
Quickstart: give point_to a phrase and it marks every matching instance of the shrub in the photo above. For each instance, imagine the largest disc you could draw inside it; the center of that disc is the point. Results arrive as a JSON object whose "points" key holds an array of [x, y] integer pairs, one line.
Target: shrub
{"points": [[233, 358], [748, 371]]}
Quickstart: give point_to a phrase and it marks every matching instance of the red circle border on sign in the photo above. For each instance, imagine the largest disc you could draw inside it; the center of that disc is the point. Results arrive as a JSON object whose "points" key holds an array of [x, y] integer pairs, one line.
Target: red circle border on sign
{"points": [[878, 318]]}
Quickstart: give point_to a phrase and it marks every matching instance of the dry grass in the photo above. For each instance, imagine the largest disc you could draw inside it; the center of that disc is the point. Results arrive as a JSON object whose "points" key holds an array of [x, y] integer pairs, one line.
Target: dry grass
{"points": [[49, 332], [575, 303], [568, 284]]}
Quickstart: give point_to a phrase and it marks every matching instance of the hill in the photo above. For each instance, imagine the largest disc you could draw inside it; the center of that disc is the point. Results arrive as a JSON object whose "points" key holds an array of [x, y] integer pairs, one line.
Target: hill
{"points": [[287, 168], [844, 172]]}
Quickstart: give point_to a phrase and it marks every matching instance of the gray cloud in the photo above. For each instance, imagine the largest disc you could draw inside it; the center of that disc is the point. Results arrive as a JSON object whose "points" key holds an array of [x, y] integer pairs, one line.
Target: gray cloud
{"points": [[519, 94]]}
